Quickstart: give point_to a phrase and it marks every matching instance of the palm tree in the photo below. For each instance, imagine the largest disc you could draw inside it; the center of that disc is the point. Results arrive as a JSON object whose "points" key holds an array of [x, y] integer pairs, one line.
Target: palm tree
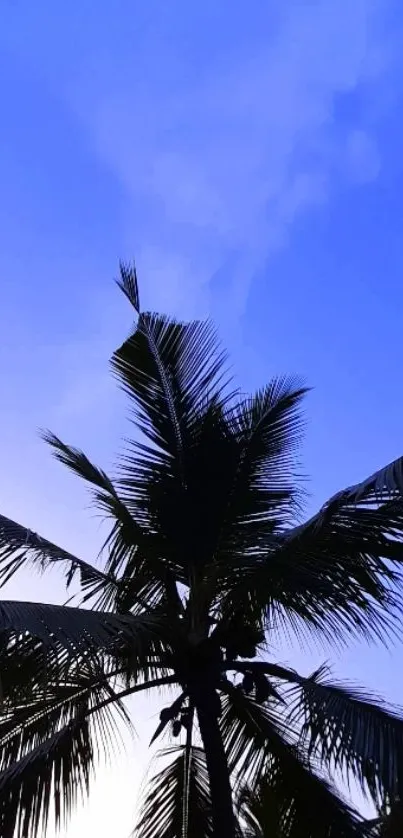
{"points": [[206, 559]]}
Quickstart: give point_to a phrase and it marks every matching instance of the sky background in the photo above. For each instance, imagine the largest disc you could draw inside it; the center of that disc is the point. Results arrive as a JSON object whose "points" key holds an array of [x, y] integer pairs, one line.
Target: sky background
{"points": [[248, 155]]}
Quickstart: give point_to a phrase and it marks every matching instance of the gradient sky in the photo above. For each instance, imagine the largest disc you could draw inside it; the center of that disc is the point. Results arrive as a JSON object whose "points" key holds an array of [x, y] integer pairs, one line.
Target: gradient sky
{"points": [[248, 155]]}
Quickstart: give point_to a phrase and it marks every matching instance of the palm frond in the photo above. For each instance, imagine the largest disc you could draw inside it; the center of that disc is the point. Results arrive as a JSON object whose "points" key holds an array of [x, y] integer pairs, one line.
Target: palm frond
{"points": [[78, 462], [169, 369], [56, 771], [342, 725], [268, 429], [247, 727], [52, 712], [133, 564], [77, 629], [291, 801], [354, 548], [334, 574], [349, 729], [129, 285], [19, 546], [162, 811], [383, 485], [106, 499], [261, 745], [33, 712], [52, 732], [146, 578]]}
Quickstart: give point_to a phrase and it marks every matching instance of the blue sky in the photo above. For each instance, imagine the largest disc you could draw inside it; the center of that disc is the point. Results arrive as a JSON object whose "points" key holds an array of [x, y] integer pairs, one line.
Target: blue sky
{"points": [[248, 155]]}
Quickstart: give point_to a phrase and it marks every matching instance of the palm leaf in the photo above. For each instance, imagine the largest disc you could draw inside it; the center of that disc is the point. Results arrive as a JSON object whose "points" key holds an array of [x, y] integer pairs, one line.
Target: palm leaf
{"points": [[290, 801], [129, 285], [247, 727], [133, 562], [354, 541], [19, 546], [350, 730], [78, 462], [106, 498], [77, 629], [260, 745], [40, 709], [341, 569], [267, 428], [383, 485], [344, 726], [162, 811], [169, 368], [334, 574], [56, 771], [146, 578], [27, 660], [50, 733], [133, 552]]}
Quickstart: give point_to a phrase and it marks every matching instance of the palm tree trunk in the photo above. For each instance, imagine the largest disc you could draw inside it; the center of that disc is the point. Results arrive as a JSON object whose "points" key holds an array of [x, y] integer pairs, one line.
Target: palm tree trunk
{"points": [[217, 765]]}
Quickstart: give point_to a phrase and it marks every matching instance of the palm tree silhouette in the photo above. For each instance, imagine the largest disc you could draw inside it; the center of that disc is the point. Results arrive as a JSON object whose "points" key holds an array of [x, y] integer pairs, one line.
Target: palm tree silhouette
{"points": [[205, 560]]}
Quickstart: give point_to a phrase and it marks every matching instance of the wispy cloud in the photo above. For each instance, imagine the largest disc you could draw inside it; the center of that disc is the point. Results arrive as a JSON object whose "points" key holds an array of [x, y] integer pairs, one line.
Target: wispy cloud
{"points": [[217, 169]]}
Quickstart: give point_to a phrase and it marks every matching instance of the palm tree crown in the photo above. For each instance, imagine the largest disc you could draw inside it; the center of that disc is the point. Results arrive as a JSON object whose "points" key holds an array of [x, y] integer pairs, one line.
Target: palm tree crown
{"points": [[205, 557]]}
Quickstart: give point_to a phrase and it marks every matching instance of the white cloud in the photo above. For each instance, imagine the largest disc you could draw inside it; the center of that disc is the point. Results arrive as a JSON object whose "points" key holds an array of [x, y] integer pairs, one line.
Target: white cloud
{"points": [[217, 170]]}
